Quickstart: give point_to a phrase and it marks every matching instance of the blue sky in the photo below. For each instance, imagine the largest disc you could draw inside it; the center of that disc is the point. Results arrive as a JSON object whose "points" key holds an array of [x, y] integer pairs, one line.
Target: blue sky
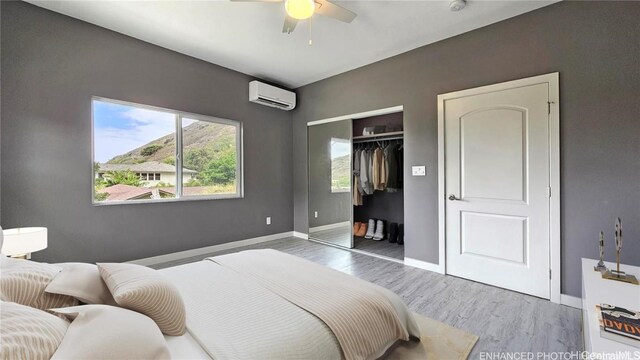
{"points": [[121, 128], [340, 147]]}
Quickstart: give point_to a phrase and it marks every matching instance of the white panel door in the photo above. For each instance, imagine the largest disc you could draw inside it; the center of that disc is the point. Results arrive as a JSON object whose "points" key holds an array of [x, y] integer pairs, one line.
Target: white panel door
{"points": [[497, 183]]}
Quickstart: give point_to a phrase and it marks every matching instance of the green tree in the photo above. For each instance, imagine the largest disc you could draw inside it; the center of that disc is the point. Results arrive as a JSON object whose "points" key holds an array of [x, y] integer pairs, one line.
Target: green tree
{"points": [[221, 170], [198, 159], [150, 150], [101, 196], [126, 177]]}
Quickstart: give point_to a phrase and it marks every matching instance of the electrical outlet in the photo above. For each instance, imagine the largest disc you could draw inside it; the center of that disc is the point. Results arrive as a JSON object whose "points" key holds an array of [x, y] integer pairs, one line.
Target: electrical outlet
{"points": [[315, 214], [268, 220], [419, 170]]}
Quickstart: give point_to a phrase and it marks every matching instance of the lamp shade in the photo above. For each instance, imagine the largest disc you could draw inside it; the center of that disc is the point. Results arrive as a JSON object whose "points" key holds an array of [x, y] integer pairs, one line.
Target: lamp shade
{"points": [[24, 240]]}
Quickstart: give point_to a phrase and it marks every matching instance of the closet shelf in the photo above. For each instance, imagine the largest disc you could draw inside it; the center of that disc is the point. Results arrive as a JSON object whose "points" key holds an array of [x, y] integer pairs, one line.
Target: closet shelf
{"points": [[382, 136]]}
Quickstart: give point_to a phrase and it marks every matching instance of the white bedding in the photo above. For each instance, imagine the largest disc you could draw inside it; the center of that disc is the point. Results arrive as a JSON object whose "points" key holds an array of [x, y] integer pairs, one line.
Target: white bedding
{"points": [[237, 319], [185, 347], [231, 317]]}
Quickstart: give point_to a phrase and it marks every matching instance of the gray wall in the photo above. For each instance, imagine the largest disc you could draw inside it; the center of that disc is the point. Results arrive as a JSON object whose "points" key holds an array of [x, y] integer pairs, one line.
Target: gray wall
{"points": [[51, 66], [596, 48]]}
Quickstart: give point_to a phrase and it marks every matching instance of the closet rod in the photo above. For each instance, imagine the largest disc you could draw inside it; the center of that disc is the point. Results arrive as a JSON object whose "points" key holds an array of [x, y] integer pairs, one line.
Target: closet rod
{"points": [[357, 141]]}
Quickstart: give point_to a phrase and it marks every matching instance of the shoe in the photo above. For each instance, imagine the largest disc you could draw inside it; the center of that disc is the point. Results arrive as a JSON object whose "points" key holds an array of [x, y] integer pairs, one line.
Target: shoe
{"points": [[356, 227], [401, 234], [380, 227], [370, 229], [361, 230], [393, 232]]}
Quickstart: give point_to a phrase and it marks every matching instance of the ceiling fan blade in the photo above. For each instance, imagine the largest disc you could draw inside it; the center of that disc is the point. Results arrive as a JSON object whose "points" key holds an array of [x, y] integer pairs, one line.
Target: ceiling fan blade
{"points": [[289, 25], [332, 10]]}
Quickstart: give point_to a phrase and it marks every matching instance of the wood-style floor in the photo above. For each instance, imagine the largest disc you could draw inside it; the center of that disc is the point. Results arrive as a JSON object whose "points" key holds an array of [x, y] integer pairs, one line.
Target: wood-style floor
{"points": [[342, 236], [382, 247], [505, 321]]}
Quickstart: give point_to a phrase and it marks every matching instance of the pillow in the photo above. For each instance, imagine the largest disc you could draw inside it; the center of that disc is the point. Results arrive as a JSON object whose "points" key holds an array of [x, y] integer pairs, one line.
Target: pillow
{"points": [[28, 333], [24, 281], [81, 281], [108, 332], [144, 290]]}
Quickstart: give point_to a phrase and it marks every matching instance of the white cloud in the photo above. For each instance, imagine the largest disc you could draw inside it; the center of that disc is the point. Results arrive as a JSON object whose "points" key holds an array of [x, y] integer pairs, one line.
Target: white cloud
{"points": [[143, 127]]}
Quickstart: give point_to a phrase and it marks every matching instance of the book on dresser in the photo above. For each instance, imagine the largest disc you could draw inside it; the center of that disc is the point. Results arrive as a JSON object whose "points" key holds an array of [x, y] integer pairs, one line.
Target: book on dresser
{"points": [[619, 324]]}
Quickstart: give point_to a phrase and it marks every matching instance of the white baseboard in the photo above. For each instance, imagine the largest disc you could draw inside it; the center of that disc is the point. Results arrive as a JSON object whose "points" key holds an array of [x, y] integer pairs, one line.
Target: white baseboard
{"points": [[301, 235], [331, 226], [424, 265], [572, 301], [208, 249]]}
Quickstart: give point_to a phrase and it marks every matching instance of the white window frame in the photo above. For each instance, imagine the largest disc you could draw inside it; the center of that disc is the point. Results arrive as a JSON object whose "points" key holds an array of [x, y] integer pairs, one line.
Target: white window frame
{"points": [[179, 115]]}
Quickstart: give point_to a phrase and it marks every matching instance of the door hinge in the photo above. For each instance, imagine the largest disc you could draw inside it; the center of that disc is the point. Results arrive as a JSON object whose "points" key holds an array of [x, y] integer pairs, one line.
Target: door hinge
{"points": [[549, 274], [549, 191]]}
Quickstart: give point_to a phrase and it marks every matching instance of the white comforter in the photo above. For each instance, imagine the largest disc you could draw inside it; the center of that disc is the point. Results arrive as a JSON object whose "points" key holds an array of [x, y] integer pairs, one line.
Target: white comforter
{"points": [[232, 318]]}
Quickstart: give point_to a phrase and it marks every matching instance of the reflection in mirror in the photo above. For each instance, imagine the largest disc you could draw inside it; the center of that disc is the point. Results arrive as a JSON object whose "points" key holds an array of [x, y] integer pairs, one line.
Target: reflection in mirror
{"points": [[340, 165], [330, 208]]}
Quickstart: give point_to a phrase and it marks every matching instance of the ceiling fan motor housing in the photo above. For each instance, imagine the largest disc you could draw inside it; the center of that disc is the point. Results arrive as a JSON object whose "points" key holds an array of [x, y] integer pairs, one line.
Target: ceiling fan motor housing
{"points": [[457, 5]]}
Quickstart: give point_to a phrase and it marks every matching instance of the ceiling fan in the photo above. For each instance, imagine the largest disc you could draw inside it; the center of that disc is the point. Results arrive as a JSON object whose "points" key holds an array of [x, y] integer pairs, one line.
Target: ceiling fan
{"points": [[303, 9]]}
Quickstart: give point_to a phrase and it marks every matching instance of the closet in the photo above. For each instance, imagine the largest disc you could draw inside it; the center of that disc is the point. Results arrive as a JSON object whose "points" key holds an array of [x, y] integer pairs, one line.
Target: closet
{"points": [[356, 183]]}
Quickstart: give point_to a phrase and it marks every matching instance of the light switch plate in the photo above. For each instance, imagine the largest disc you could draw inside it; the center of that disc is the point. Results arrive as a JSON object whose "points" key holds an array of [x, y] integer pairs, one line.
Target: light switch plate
{"points": [[419, 170]]}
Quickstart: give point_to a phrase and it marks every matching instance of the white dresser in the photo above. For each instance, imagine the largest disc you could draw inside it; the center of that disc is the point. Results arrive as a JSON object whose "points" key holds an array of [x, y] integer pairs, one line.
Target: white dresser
{"points": [[596, 290]]}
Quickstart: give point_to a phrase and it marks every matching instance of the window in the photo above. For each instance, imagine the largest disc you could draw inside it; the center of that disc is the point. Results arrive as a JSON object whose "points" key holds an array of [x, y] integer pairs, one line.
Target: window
{"points": [[142, 153], [340, 165]]}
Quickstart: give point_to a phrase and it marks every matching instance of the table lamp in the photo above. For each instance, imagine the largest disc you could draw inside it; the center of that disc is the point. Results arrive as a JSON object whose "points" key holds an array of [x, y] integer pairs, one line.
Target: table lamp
{"points": [[21, 242]]}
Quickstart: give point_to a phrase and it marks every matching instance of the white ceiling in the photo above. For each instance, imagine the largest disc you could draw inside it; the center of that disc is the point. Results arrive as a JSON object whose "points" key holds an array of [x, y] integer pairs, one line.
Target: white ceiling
{"points": [[247, 37]]}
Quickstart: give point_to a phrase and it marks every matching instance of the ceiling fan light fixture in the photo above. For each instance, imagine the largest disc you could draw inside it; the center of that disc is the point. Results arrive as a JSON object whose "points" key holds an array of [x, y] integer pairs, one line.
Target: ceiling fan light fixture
{"points": [[300, 9]]}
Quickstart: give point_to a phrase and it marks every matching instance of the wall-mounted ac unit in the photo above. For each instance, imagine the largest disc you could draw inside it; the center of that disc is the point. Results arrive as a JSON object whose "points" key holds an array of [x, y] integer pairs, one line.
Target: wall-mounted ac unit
{"points": [[266, 94]]}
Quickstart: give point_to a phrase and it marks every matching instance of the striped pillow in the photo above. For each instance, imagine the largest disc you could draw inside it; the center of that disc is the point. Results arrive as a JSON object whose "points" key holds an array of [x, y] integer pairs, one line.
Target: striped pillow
{"points": [[24, 282], [144, 290], [81, 281], [28, 333]]}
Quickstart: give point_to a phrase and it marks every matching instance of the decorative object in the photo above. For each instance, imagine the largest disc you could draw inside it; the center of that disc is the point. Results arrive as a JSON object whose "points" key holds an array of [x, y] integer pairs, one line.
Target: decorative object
{"points": [[617, 274], [601, 267], [21, 242], [619, 324]]}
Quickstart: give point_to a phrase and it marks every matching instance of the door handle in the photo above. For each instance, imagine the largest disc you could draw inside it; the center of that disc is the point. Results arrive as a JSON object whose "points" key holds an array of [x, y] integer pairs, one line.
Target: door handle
{"points": [[453, 197]]}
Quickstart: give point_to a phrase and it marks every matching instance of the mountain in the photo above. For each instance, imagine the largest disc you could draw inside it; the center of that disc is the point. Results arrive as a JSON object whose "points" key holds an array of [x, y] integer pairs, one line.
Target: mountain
{"points": [[196, 136]]}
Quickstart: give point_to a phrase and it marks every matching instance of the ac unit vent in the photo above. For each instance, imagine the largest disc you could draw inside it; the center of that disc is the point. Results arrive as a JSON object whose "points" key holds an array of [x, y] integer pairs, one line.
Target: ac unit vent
{"points": [[279, 104]]}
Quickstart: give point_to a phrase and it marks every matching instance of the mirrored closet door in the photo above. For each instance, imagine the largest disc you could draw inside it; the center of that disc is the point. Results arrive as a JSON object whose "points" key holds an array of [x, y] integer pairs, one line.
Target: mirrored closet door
{"points": [[330, 179], [356, 173]]}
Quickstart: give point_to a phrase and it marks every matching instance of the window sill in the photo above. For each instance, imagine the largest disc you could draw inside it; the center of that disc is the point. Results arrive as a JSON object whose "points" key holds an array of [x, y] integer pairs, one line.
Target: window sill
{"points": [[172, 200]]}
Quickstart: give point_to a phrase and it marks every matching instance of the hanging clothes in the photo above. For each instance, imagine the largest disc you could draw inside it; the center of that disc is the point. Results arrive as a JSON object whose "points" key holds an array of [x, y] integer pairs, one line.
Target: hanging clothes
{"points": [[366, 177], [357, 185], [379, 170], [376, 168], [391, 154], [400, 154]]}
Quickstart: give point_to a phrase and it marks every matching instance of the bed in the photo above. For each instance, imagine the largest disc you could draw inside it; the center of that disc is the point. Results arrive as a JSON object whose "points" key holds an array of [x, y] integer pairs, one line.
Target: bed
{"points": [[235, 309], [255, 304]]}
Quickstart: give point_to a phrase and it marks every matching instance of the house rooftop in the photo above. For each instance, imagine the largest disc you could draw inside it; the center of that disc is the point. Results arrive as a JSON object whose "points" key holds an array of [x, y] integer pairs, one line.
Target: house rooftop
{"points": [[125, 192], [145, 167]]}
